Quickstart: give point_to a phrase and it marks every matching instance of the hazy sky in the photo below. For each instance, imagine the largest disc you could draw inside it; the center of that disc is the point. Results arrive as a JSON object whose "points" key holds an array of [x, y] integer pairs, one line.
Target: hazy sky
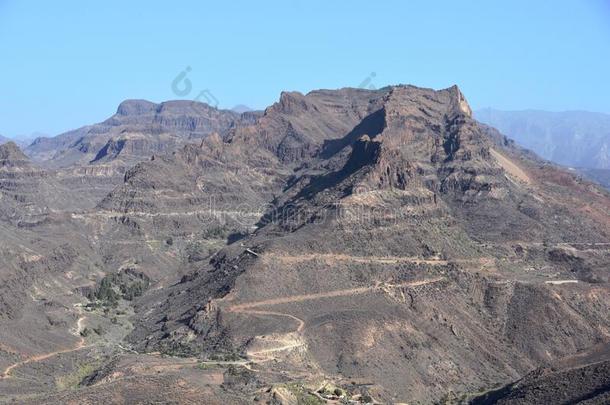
{"points": [[66, 64]]}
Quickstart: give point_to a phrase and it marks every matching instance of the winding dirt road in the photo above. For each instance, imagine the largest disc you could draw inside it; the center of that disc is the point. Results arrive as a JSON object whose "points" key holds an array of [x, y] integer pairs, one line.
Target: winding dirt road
{"points": [[251, 308], [33, 359]]}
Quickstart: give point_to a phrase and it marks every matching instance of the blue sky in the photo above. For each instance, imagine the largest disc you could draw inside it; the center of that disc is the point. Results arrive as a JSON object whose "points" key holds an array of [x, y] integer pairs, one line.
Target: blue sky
{"points": [[70, 63]]}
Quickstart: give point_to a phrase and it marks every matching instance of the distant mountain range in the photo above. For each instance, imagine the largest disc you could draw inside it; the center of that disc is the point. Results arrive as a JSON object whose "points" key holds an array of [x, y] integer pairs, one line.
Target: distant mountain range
{"points": [[577, 139], [22, 141]]}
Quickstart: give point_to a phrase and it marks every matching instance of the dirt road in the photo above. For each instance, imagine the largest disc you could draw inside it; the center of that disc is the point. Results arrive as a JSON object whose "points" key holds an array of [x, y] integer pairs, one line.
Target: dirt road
{"points": [[290, 341], [79, 345], [329, 294]]}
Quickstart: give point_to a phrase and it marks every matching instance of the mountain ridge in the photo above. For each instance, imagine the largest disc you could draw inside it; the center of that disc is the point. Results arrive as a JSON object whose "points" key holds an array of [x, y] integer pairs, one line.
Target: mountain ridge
{"points": [[578, 139], [429, 164], [185, 119]]}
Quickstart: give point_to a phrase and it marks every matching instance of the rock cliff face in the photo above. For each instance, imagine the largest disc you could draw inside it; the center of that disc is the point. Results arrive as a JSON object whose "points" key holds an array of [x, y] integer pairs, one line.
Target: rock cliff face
{"points": [[296, 128], [146, 126], [379, 244]]}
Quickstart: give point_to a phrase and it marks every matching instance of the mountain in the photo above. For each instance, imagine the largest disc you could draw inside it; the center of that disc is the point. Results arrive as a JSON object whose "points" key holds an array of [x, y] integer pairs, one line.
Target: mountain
{"points": [[365, 245], [138, 130], [92, 160], [441, 238], [27, 191], [241, 108], [206, 193], [577, 139], [22, 142]]}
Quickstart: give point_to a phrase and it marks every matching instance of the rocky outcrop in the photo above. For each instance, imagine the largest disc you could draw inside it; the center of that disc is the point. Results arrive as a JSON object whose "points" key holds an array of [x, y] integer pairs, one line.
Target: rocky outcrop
{"points": [[11, 156], [23, 187], [136, 108], [133, 147]]}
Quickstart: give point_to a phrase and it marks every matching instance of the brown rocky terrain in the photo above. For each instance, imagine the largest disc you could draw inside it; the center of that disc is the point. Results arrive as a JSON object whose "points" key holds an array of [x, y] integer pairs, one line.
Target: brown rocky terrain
{"points": [[28, 191], [92, 160], [138, 130], [374, 246], [583, 378]]}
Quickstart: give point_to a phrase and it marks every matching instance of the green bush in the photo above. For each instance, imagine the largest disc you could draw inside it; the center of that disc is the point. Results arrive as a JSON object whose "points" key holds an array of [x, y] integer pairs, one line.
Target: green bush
{"points": [[114, 287]]}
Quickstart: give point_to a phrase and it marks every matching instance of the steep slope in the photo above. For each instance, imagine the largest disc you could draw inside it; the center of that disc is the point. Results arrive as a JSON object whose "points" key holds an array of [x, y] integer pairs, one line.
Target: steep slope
{"points": [[440, 268], [27, 192], [202, 195], [571, 138], [42, 256], [584, 378]]}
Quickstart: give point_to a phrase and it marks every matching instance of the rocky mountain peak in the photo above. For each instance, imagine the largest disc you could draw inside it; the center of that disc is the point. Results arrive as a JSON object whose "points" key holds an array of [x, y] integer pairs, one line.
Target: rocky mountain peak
{"points": [[188, 107], [291, 102], [459, 101], [136, 107], [10, 154]]}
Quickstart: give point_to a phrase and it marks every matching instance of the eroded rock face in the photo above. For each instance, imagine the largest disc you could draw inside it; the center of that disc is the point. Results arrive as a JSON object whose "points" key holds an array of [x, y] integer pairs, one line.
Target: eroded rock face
{"points": [[138, 124], [92, 160], [27, 192]]}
